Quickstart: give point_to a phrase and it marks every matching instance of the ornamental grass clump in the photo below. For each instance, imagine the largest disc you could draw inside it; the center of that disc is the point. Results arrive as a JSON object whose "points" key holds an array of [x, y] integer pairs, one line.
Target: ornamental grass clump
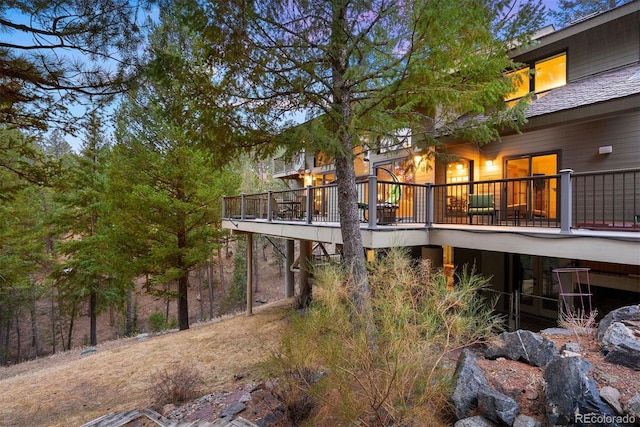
{"points": [[403, 377]]}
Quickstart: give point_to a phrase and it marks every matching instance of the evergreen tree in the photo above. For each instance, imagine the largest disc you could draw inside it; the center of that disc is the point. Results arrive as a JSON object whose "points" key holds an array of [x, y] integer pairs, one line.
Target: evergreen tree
{"points": [[169, 186], [55, 54], [362, 70], [85, 272], [568, 11], [22, 256]]}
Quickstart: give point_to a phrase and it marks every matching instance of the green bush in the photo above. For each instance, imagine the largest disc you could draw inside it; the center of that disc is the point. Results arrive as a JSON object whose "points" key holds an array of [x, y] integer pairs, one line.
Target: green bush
{"points": [[401, 376], [157, 322]]}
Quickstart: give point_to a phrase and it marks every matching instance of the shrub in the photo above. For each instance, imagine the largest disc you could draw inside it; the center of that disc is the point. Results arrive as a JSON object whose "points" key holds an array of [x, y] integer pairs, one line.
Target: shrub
{"points": [[157, 322], [399, 378], [178, 385]]}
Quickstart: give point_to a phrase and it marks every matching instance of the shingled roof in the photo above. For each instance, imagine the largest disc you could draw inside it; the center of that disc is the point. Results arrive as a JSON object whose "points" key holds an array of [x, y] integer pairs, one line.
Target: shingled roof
{"points": [[607, 86]]}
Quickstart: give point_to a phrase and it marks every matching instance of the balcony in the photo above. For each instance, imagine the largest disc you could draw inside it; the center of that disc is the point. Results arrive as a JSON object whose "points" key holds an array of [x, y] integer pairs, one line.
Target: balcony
{"points": [[289, 167], [510, 215]]}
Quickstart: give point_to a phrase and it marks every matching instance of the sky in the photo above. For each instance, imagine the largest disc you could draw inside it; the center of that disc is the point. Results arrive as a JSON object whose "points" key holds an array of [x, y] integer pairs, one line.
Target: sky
{"points": [[75, 141]]}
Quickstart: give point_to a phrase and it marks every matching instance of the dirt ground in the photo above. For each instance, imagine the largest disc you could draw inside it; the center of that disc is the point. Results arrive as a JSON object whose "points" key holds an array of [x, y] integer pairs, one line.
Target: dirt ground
{"points": [[71, 389], [77, 386]]}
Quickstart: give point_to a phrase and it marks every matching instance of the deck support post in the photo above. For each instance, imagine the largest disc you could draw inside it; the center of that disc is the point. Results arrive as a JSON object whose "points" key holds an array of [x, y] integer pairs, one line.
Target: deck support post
{"points": [[289, 284], [373, 202], [249, 274], [306, 251]]}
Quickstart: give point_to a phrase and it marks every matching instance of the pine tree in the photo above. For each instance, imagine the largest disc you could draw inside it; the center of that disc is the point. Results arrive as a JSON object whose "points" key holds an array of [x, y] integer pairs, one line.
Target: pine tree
{"points": [[64, 53], [568, 11], [362, 70], [169, 185], [85, 272]]}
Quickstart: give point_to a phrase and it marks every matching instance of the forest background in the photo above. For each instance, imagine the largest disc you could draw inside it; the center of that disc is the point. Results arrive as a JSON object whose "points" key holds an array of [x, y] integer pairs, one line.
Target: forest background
{"points": [[134, 206]]}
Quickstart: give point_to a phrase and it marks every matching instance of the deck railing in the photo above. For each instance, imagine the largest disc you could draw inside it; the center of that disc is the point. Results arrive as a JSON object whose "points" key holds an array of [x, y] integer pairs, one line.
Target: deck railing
{"points": [[600, 200]]}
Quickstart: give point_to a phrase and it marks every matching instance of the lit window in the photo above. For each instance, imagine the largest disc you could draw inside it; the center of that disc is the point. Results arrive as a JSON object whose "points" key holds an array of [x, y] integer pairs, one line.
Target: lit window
{"points": [[520, 83], [551, 73]]}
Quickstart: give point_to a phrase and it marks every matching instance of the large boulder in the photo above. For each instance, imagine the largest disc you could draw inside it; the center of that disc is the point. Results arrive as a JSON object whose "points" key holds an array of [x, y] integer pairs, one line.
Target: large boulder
{"points": [[469, 379], [497, 407], [472, 391], [524, 346], [621, 345], [633, 406], [571, 393], [631, 312]]}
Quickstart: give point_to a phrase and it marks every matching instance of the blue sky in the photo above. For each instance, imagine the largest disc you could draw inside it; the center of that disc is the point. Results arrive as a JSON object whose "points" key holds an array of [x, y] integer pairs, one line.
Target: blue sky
{"points": [[75, 142]]}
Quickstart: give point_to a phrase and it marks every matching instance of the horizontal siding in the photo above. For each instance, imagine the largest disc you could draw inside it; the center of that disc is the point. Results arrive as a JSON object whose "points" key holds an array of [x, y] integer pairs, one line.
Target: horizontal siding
{"points": [[609, 46], [578, 144], [613, 46]]}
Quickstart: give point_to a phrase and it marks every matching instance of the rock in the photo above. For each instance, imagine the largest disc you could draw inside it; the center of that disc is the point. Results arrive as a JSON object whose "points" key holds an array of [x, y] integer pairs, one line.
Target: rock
{"points": [[525, 346], [526, 421], [612, 397], [617, 333], [241, 396], [564, 331], [476, 421], [469, 379], [631, 312], [572, 347], [633, 406], [571, 392], [621, 346], [497, 407], [532, 395], [270, 419], [232, 410], [556, 331]]}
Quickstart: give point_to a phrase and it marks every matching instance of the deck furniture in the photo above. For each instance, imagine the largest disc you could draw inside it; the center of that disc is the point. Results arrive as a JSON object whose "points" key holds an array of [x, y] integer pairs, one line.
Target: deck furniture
{"points": [[482, 205]]}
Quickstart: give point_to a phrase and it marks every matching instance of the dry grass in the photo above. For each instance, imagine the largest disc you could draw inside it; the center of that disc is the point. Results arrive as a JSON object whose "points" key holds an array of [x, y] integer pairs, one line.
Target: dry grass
{"points": [[70, 390]]}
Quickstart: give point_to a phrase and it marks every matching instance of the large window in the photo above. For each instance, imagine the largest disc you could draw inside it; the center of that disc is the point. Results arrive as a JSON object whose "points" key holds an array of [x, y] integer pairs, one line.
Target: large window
{"points": [[549, 73], [459, 173]]}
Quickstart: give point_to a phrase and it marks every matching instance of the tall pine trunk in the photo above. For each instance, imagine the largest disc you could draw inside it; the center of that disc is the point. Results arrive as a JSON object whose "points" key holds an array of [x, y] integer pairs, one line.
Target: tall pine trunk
{"points": [[183, 306], [93, 328], [353, 249]]}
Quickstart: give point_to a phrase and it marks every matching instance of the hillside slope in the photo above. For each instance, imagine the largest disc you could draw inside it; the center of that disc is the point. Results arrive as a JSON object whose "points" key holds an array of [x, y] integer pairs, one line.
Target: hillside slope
{"points": [[71, 389]]}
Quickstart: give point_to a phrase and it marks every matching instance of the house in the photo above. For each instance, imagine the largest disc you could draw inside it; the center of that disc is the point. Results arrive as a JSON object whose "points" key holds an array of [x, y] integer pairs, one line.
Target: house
{"points": [[551, 213]]}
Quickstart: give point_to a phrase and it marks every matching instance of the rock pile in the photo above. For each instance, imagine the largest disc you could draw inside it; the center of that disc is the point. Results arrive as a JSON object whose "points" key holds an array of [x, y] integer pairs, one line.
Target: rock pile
{"points": [[571, 396]]}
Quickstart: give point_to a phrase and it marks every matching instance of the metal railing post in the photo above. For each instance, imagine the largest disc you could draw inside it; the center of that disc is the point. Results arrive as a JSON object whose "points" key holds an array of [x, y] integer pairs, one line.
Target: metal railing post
{"points": [[309, 207], [270, 207], [565, 200], [429, 205], [373, 201]]}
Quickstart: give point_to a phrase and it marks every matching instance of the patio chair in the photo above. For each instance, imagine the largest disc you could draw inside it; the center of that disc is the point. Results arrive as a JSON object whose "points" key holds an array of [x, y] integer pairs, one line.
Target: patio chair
{"points": [[481, 204]]}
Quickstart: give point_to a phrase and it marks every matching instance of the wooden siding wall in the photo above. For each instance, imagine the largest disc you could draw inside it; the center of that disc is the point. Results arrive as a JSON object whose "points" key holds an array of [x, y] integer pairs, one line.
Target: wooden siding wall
{"points": [[607, 47], [578, 144]]}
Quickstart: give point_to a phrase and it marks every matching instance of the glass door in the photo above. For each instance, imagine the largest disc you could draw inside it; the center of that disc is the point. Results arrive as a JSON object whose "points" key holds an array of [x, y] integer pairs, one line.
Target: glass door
{"points": [[531, 198], [459, 175], [539, 290]]}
